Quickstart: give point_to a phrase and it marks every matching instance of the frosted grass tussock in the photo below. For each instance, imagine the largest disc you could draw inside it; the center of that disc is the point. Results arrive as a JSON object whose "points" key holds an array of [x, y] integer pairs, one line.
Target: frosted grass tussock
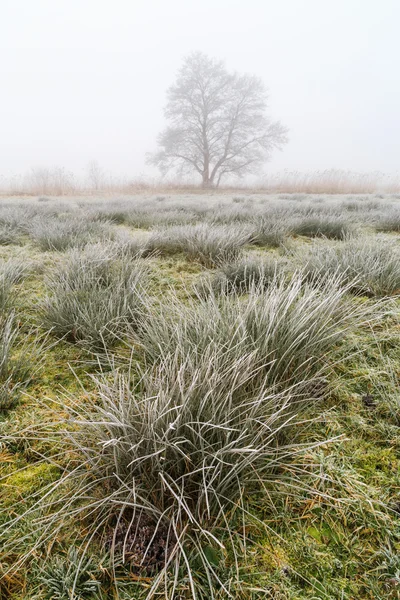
{"points": [[211, 245], [242, 275], [323, 226], [163, 465], [368, 266], [94, 296], [12, 271], [58, 234], [288, 326], [18, 358]]}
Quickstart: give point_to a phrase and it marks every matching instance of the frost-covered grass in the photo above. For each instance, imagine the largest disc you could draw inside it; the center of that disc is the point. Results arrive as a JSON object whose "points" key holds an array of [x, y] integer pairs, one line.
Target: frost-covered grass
{"points": [[211, 245], [285, 328], [72, 232], [214, 413], [320, 226], [216, 420], [270, 230], [93, 296], [370, 265], [389, 221], [242, 275], [12, 271]]}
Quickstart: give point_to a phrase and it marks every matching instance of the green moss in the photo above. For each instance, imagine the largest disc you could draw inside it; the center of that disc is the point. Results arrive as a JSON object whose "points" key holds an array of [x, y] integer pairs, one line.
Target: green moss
{"points": [[29, 480]]}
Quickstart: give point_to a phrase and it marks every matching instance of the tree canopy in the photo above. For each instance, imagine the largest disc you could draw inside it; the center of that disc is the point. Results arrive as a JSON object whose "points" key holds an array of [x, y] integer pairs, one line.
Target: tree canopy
{"points": [[217, 123]]}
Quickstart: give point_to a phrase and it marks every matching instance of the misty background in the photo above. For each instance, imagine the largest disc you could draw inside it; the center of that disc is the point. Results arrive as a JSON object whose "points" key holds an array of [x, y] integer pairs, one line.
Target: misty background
{"points": [[85, 80]]}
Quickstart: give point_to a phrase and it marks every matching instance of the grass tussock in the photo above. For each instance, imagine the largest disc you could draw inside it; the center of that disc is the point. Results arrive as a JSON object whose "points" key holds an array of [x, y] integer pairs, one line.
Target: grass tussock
{"points": [[18, 358], [94, 296], [242, 276], [286, 326], [207, 244], [270, 231], [389, 221], [151, 217], [369, 266], [65, 573], [15, 217], [60, 235], [330, 228], [12, 271], [9, 235]]}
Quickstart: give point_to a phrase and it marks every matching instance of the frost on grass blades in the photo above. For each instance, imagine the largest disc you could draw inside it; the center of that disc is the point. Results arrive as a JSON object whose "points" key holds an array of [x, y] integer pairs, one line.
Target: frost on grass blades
{"points": [[208, 244], [94, 295], [242, 275], [370, 266], [157, 464], [18, 359], [330, 228], [173, 474], [12, 271], [57, 234]]}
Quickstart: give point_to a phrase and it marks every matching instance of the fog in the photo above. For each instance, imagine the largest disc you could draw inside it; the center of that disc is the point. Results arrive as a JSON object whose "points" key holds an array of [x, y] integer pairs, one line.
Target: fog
{"points": [[85, 80]]}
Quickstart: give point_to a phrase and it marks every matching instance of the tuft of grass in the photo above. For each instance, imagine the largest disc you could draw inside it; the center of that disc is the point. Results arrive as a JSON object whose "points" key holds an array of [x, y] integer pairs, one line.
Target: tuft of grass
{"points": [[62, 574], [160, 465], [16, 217], [117, 216], [56, 234], [211, 245], [287, 327], [369, 266], [270, 231], [16, 361], [242, 275], [323, 226], [12, 272], [9, 235], [94, 296], [127, 245], [151, 216], [389, 221]]}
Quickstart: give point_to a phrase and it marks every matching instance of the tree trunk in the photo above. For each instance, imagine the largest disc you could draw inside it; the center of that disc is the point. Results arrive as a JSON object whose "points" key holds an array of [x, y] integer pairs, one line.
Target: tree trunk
{"points": [[206, 162], [206, 183]]}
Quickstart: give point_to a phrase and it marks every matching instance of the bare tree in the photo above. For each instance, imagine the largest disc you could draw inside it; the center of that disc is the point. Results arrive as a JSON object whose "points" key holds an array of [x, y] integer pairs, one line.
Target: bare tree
{"points": [[96, 175], [218, 124], [55, 180]]}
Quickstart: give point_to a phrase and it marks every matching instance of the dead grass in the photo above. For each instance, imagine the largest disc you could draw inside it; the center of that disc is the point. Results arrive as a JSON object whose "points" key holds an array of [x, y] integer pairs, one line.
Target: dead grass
{"points": [[59, 182]]}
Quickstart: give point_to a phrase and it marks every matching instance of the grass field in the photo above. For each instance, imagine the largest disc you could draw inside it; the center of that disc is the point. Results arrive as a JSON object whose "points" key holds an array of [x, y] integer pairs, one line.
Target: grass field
{"points": [[199, 397]]}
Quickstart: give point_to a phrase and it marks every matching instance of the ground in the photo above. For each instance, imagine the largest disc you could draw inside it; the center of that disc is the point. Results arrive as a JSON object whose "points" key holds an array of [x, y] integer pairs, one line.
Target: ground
{"points": [[337, 537]]}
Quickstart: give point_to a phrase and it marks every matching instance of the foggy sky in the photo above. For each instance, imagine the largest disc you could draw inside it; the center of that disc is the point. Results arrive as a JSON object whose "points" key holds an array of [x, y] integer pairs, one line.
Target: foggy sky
{"points": [[85, 80]]}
